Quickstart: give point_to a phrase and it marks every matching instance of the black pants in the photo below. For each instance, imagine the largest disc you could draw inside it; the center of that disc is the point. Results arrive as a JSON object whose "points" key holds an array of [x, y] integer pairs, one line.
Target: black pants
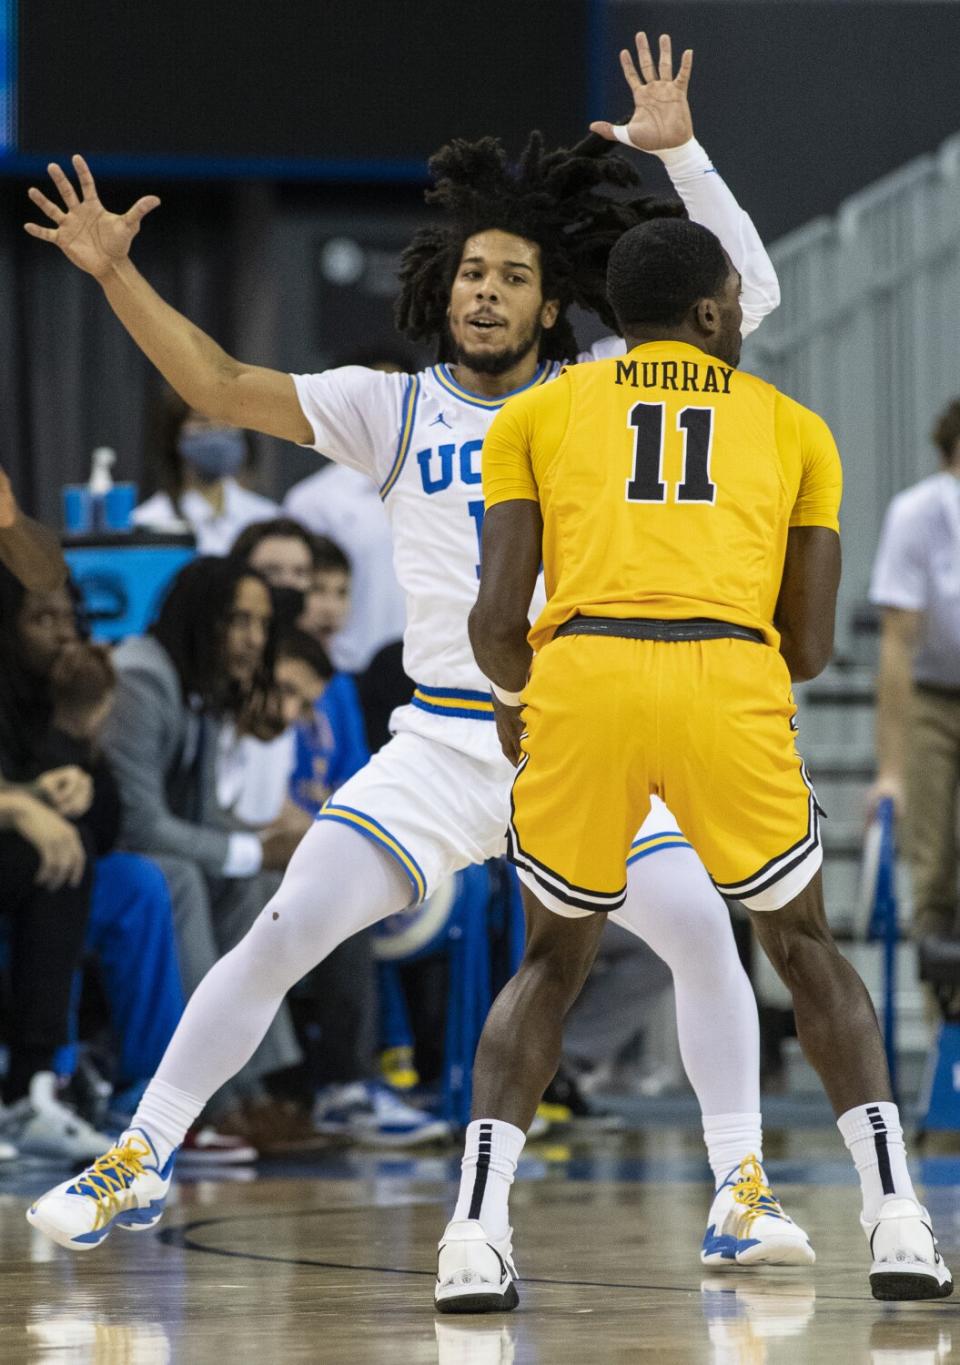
{"points": [[47, 933]]}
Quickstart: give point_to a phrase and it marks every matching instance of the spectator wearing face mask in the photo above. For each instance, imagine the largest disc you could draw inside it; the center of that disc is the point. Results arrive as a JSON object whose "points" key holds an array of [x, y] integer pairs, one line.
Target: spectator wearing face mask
{"points": [[198, 461]]}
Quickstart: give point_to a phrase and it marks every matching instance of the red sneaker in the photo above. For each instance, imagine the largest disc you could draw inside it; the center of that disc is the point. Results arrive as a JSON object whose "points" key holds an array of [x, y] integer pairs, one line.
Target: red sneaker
{"points": [[207, 1147]]}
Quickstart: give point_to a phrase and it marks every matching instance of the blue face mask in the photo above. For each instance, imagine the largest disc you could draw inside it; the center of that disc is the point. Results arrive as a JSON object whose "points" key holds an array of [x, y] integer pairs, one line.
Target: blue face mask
{"points": [[214, 454]]}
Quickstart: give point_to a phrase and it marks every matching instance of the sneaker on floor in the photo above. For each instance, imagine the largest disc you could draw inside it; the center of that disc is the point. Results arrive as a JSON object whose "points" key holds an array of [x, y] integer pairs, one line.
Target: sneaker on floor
{"points": [[474, 1275], [906, 1262], [747, 1225], [206, 1147], [125, 1187], [40, 1125], [371, 1113]]}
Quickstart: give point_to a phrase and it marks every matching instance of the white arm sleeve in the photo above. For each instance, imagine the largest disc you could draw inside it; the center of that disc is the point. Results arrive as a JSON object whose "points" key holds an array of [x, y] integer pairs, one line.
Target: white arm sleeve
{"points": [[356, 415], [710, 202]]}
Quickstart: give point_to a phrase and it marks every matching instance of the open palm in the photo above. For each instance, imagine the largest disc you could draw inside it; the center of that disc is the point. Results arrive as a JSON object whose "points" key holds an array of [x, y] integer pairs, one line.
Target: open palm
{"points": [[661, 113], [87, 234]]}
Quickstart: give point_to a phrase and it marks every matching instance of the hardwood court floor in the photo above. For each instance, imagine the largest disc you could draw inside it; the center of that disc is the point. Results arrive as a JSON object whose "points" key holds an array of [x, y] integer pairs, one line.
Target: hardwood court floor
{"points": [[290, 1268]]}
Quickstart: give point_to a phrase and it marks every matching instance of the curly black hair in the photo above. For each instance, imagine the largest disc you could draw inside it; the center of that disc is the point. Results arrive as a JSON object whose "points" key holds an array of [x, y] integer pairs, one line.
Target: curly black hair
{"points": [[570, 202]]}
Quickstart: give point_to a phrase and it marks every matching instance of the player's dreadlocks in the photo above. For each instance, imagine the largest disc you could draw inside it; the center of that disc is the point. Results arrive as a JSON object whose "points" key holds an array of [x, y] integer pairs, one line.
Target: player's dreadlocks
{"points": [[561, 200]]}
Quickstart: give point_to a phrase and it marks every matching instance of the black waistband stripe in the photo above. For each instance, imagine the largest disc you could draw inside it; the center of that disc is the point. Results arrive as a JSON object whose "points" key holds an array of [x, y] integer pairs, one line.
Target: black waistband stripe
{"points": [[667, 631]]}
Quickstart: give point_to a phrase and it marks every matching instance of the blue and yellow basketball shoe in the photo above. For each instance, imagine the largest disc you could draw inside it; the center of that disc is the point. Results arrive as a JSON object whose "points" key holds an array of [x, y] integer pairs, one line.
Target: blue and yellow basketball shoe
{"points": [[747, 1225], [125, 1187]]}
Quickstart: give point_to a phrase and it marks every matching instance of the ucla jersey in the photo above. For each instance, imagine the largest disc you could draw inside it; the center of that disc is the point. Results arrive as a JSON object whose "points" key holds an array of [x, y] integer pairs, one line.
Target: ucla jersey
{"points": [[420, 437]]}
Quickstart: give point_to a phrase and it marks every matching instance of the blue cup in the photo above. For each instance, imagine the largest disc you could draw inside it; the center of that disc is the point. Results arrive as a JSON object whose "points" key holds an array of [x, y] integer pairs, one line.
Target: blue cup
{"points": [[118, 505], [77, 509]]}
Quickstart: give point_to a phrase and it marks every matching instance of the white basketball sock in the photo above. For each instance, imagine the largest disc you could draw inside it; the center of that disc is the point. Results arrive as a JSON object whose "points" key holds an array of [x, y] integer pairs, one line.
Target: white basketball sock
{"points": [[874, 1137], [166, 1114], [730, 1138], [490, 1155], [674, 907], [337, 883]]}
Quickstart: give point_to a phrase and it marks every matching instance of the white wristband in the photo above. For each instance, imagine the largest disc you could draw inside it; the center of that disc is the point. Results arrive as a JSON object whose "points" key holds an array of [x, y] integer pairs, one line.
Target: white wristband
{"points": [[508, 698], [689, 156]]}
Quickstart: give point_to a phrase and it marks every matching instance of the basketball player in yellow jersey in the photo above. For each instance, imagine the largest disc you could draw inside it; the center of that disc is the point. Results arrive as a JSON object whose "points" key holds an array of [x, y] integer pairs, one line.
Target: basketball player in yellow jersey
{"points": [[687, 519]]}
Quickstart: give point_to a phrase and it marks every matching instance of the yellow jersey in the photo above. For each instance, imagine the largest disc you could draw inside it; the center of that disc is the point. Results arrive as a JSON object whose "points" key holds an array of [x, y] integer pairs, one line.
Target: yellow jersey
{"points": [[667, 482]]}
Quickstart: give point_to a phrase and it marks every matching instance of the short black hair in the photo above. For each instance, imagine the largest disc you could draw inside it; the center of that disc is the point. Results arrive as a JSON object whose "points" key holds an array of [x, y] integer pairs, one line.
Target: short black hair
{"points": [[328, 556], [191, 627], [573, 203], [657, 272], [946, 430], [280, 528], [298, 644]]}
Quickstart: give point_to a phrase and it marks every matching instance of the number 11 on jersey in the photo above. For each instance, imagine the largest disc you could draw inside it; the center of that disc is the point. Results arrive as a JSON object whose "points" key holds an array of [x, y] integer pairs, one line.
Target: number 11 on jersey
{"points": [[646, 483]]}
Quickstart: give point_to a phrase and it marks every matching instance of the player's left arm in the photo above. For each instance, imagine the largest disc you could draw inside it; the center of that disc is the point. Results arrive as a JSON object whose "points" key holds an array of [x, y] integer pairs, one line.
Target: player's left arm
{"points": [[499, 621], [662, 124], [807, 604], [510, 558], [29, 550]]}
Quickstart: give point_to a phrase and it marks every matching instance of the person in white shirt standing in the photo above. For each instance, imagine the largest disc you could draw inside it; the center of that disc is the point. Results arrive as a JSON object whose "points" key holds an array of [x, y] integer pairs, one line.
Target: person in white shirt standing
{"points": [[199, 460], [490, 282], [916, 582]]}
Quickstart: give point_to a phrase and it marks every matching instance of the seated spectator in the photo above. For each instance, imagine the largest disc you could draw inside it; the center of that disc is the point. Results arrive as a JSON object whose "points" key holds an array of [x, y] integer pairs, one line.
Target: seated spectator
{"points": [[206, 663], [198, 461], [310, 580], [57, 697], [58, 810], [916, 582]]}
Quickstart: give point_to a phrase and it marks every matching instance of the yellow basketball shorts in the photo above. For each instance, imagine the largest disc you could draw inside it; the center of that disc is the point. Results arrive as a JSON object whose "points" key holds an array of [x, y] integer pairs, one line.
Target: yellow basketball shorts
{"points": [[707, 725]]}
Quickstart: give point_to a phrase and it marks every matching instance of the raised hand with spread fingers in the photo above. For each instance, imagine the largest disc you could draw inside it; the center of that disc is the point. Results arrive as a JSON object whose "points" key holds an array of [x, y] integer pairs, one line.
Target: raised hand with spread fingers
{"points": [[94, 239], [661, 113]]}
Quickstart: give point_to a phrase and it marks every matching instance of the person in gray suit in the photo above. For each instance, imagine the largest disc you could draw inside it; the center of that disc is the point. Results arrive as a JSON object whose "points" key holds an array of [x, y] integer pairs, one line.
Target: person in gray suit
{"points": [[206, 661]]}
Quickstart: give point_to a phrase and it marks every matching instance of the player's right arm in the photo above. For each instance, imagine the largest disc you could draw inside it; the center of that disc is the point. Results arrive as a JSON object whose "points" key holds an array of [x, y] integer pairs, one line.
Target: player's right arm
{"points": [[201, 372]]}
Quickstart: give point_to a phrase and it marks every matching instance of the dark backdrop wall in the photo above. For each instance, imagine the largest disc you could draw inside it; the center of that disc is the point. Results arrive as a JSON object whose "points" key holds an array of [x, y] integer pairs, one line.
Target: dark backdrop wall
{"points": [[800, 104], [803, 102]]}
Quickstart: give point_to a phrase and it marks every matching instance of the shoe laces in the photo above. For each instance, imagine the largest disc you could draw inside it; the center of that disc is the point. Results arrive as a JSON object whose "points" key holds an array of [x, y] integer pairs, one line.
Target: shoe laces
{"points": [[111, 1175], [752, 1191]]}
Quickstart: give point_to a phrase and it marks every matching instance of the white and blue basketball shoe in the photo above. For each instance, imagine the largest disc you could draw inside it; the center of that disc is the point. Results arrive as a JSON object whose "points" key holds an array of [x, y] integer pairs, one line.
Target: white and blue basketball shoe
{"points": [[126, 1188], [747, 1225]]}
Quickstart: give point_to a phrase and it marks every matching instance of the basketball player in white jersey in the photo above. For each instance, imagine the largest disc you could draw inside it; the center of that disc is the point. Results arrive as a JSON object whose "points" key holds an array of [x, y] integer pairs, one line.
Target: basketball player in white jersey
{"points": [[491, 284]]}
